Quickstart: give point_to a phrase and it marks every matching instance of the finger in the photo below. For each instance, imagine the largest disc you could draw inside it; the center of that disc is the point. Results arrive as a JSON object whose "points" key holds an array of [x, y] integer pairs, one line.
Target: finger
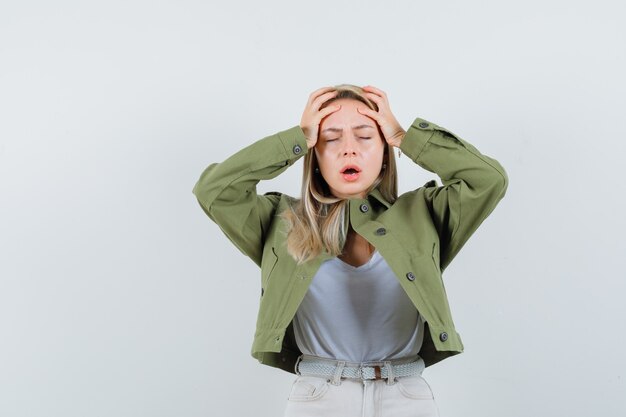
{"points": [[317, 103], [320, 91], [328, 110], [376, 90], [375, 98], [317, 93], [377, 94], [381, 102], [370, 113]]}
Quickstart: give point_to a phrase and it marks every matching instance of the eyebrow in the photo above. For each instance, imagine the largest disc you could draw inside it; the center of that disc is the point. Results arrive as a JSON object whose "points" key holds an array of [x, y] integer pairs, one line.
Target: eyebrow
{"points": [[336, 129]]}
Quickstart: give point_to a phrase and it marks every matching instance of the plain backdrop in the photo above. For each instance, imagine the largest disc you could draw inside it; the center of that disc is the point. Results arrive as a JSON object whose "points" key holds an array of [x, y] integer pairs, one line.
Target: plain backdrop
{"points": [[118, 295]]}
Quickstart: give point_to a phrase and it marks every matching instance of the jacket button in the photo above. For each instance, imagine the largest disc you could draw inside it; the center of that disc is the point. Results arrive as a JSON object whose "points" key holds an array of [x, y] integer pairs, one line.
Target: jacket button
{"points": [[423, 125], [297, 149], [381, 231], [410, 276], [364, 208], [443, 336]]}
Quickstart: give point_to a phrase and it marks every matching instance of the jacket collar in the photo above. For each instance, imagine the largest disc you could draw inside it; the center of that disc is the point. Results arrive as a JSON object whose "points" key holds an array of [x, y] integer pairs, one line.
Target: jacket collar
{"points": [[375, 194]]}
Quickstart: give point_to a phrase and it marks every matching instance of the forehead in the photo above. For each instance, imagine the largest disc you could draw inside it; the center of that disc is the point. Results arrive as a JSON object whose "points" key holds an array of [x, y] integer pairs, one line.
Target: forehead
{"points": [[347, 117]]}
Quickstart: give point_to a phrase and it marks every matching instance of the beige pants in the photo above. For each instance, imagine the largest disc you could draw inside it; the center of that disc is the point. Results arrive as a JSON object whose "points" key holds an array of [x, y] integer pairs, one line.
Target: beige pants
{"points": [[313, 396]]}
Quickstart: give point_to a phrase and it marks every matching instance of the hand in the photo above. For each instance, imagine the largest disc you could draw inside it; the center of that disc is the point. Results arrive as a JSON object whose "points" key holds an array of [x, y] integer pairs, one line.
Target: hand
{"points": [[312, 115], [390, 127]]}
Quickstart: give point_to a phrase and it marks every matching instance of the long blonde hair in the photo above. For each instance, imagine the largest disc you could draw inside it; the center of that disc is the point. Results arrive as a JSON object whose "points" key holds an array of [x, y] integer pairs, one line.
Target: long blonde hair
{"points": [[317, 221]]}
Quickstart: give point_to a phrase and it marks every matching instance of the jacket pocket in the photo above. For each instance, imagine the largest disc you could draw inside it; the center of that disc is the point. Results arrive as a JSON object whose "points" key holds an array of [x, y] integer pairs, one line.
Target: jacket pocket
{"points": [[435, 255], [269, 263]]}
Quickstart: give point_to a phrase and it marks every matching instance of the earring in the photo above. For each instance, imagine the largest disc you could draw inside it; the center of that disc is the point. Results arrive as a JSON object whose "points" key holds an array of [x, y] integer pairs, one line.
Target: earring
{"points": [[317, 170], [384, 165]]}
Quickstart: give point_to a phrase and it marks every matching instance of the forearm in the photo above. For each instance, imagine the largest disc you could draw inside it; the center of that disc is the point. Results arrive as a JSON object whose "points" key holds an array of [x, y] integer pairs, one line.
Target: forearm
{"points": [[227, 192], [241, 172], [452, 158], [473, 183]]}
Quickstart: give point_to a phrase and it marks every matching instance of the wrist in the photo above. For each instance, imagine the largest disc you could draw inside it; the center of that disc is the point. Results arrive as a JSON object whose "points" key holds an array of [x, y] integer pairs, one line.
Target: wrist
{"points": [[396, 140], [305, 132]]}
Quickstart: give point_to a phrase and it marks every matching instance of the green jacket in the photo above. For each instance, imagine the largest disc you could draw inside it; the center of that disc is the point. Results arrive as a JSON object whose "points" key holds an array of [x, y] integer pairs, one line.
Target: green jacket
{"points": [[418, 235]]}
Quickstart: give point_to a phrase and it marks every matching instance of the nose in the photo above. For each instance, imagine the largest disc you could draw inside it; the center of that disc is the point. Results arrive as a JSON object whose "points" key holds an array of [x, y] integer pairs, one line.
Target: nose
{"points": [[349, 147]]}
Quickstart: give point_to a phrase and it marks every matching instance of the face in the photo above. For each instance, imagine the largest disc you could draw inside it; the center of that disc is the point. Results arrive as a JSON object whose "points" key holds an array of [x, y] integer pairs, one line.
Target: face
{"points": [[349, 150]]}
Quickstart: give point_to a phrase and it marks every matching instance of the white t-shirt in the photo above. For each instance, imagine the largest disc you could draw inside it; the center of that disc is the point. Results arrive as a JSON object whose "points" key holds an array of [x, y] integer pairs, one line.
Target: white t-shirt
{"points": [[357, 314]]}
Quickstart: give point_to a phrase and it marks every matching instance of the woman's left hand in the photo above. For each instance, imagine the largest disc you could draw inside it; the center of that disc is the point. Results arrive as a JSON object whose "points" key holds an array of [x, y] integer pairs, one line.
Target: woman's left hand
{"points": [[390, 127]]}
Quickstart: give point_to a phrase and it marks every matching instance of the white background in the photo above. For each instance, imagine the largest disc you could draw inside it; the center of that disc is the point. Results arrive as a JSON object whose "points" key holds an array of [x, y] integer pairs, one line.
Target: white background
{"points": [[119, 297]]}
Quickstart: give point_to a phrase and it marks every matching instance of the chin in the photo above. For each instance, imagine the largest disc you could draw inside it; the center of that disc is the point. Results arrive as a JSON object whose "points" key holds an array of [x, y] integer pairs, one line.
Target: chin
{"points": [[352, 193]]}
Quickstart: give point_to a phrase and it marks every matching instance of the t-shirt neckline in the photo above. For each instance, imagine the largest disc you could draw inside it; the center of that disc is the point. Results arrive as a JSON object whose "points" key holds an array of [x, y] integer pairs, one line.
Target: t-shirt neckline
{"points": [[365, 266]]}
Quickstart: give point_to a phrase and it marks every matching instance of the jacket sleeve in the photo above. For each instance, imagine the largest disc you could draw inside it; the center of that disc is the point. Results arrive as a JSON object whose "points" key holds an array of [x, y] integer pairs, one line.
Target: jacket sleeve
{"points": [[227, 193], [473, 183]]}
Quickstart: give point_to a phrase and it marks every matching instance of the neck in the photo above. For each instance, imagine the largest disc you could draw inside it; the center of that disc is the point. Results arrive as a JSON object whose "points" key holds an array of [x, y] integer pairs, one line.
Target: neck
{"points": [[356, 242]]}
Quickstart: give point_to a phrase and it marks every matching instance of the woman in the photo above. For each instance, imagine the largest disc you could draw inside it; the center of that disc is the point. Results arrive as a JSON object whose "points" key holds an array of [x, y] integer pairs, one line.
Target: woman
{"points": [[352, 297]]}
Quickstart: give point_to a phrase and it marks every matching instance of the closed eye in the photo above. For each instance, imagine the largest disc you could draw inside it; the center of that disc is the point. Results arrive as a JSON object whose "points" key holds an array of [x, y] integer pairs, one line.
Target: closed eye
{"points": [[332, 140]]}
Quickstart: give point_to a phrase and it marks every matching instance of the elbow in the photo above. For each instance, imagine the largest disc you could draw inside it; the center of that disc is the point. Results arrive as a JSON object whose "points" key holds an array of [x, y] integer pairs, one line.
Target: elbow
{"points": [[503, 181], [494, 184], [498, 179], [205, 188]]}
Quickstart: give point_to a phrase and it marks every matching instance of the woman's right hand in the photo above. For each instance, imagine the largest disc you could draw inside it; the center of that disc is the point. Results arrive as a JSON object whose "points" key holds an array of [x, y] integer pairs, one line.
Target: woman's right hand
{"points": [[312, 115]]}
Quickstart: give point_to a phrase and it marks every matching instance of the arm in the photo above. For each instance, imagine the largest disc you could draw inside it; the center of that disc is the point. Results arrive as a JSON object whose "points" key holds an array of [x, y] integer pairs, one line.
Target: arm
{"points": [[226, 191], [473, 183]]}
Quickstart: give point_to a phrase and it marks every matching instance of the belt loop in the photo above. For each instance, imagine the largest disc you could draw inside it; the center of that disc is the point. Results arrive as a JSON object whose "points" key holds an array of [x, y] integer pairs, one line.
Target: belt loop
{"points": [[296, 366], [336, 380], [391, 378]]}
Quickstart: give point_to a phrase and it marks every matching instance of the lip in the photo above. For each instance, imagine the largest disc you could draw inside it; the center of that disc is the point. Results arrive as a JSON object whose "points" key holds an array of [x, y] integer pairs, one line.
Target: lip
{"points": [[353, 166], [350, 177]]}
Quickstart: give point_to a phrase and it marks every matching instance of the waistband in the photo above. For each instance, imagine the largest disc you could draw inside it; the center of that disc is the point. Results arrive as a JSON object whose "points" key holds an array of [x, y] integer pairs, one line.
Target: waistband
{"points": [[385, 369]]}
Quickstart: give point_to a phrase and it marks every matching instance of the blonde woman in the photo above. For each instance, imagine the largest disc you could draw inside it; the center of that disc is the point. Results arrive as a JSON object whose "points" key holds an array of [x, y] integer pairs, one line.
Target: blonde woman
{"points": [[352, 299]]}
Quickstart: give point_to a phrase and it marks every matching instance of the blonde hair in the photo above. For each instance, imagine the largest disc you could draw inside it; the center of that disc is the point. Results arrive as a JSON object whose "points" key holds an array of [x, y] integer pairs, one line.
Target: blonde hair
{"points": [[317, 221]]}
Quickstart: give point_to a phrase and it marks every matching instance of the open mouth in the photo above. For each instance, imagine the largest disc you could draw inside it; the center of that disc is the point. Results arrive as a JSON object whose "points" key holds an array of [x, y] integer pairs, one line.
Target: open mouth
{"points": [[350, 172]]}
